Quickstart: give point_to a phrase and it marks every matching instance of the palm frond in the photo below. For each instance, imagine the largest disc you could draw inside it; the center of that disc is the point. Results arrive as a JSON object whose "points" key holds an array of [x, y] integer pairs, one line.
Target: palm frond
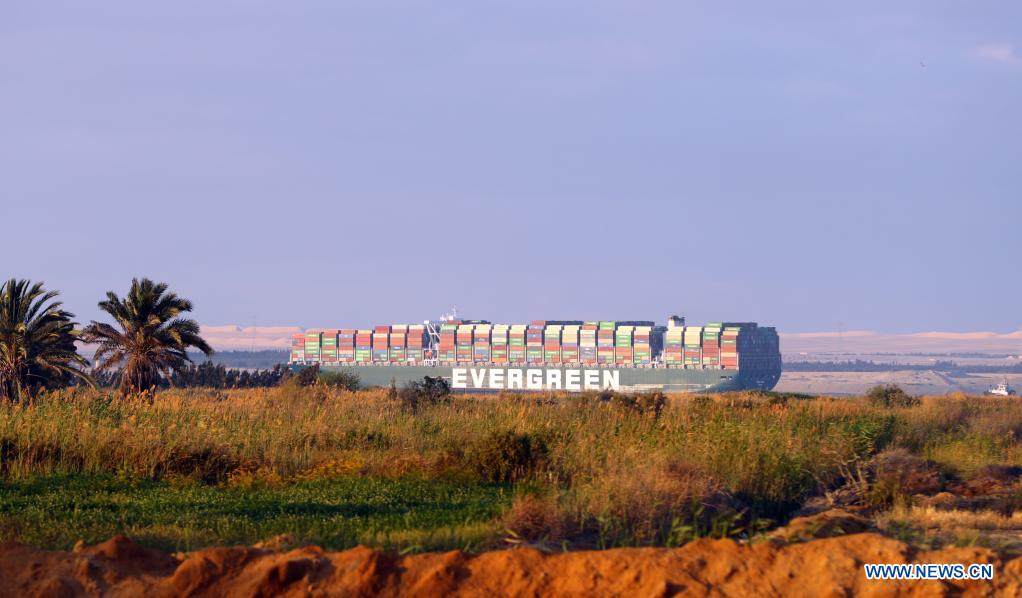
{"points": [[150, 341], [37, 341]]}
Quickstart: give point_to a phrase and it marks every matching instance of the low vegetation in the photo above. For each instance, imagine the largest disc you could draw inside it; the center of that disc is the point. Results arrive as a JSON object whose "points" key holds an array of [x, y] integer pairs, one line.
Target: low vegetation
{"points": [[423, 469], [175, 514]]}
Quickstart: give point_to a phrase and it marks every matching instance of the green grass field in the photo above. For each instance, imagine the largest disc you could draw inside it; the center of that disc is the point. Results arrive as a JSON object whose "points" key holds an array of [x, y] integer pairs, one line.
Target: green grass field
{"points": [[192, 468], [401, 514]]}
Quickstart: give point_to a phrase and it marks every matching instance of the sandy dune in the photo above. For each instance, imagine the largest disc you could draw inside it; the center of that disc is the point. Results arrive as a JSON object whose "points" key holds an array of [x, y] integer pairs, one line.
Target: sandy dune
{"points": [[823, 567]]}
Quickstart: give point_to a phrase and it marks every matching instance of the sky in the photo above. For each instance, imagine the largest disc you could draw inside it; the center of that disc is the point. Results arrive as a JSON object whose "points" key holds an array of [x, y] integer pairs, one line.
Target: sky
{"points": [[812, 166]]}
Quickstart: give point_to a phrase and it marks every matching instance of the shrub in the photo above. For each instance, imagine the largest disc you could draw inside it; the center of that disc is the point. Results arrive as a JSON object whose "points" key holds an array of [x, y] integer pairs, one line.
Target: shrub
{"points": [[430, 391], [890, 396], [506, 456], [340, 379], [647, 403], [700, 402], [898, 475], [535, 518], [306, 376]]}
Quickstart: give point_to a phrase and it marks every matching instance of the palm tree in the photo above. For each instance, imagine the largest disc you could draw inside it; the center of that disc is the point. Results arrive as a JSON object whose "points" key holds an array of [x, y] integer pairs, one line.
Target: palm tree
{"points": [[37, 341], [152, 339]]}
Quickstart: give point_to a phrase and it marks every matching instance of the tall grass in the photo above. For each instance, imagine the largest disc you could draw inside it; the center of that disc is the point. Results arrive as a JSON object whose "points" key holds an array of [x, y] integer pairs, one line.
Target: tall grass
{"points": [[618, 475]]}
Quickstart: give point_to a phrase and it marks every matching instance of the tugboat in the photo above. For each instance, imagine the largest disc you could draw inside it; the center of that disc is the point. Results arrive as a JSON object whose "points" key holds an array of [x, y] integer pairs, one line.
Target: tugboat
{"points": [[1002, 389]]}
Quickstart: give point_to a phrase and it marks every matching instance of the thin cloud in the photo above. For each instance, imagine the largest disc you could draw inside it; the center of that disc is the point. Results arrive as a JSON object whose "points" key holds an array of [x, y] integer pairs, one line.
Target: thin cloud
{"points": [[997, 53]]}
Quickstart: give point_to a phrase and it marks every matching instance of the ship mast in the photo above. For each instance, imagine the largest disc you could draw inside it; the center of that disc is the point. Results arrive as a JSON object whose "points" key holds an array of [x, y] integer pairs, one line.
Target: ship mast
{"points": [[433, 330]]}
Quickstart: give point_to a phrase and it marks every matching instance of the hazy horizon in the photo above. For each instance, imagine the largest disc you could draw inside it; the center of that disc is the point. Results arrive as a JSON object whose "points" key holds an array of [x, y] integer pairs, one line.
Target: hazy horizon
{"points": [[811, 167], [230, 337]]}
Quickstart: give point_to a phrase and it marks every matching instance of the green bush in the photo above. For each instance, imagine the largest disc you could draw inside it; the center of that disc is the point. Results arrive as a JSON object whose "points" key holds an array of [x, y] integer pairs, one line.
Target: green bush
{"points": [[430, 391], [890, 396], [340, 379], [506, 456], [306, 376]]}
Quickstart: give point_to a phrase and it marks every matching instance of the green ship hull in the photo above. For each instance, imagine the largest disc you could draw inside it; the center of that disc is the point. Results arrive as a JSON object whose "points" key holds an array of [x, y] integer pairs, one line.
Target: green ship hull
{"points": [[571, 378]]}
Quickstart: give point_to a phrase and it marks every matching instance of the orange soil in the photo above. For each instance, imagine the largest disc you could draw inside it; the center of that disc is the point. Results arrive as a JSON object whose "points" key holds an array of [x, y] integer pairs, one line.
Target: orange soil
{"points": [[823, 567]]}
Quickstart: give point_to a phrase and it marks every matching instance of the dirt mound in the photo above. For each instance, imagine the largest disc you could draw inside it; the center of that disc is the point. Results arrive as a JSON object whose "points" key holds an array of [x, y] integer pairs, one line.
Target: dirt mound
{"points": [[827, 524], [831, 566]]}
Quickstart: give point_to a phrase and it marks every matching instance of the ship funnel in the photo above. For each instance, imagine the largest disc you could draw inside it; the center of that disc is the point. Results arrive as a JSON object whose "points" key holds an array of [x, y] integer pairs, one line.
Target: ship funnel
{"points": [[676, 322]]}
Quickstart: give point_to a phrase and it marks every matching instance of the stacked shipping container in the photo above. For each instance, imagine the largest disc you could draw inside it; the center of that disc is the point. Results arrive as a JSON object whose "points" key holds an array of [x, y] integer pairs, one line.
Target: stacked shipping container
{"points": [[641, 349], [711, 344], [605, 343], [381, 344], [552, 343], [729, 348], [498, 343], [346, 345], [415, 342], [447, 346], [693, 345], [623, 338], [481, 342], [328, 347], [542, 342], [398, 343], [587, 342], [534, 342], [516, 343], [673, 343], [464, 343], [312, 341], [569, 343], [363, 346]]}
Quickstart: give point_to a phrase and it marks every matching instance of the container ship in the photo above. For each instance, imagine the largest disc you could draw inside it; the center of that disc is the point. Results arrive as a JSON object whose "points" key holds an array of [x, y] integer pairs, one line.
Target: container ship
{"points": [[544, 355]]}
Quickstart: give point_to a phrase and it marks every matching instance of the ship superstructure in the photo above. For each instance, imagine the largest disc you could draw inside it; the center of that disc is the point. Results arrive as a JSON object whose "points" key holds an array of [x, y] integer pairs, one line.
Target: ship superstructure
{"points": [[1002, 389]]}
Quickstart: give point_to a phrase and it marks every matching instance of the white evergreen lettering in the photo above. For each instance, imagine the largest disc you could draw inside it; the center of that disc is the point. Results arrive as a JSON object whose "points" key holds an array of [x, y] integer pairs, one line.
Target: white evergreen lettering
{"points": [[514, 379], [458, 376]]}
